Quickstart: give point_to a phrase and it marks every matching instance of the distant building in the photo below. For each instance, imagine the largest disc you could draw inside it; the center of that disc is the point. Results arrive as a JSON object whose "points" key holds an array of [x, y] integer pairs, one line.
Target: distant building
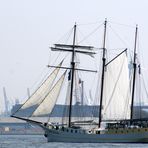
{"points": [[78, 111]]}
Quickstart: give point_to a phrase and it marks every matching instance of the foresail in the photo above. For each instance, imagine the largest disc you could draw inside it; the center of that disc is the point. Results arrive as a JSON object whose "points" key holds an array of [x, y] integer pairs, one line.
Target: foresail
{"points": [[41, 92], [116, 96], [50, 99]]}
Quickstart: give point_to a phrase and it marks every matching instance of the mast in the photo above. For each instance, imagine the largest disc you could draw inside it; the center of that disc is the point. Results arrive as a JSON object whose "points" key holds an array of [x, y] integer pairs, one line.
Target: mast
{"points": [[134, 73], [102, 78], [72, 75], [73, 49], [82, 95]]}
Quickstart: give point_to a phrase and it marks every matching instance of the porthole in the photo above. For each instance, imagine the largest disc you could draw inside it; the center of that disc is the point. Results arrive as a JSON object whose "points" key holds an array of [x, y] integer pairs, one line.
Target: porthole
{"points": [[62, 128]]}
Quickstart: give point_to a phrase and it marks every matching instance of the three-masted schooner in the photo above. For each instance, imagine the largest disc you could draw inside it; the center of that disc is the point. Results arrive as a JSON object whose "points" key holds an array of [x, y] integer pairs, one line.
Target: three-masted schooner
{"points": [[116, 92]]}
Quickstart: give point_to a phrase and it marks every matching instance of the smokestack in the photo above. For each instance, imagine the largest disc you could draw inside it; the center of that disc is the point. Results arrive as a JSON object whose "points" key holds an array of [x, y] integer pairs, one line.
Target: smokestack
{"points": [[6, 101], [28, 92]]}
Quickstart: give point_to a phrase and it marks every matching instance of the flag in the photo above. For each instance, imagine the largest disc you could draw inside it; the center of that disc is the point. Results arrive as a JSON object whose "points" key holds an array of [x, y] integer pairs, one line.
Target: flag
{"points": [[69, 75]]}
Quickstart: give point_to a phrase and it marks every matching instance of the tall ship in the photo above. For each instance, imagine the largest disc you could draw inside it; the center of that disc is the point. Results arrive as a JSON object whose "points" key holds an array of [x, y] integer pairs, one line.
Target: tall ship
{"points": [[114, 89]]}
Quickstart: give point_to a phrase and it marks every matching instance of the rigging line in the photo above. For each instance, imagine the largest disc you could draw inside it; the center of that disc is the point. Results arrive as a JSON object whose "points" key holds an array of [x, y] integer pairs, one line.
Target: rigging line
{"points": [[127, 104], [129, 26], [91, 33], [81, 33], [91, 23], [124, 42], [55, 60], [80, 76], [59, 54], [65, 109], [45, 78], [65, 42], [95, 58], [66, 55], [130, 83], [140, 96], [139, 55], [48, 120], [96, 65], [62, 58], [115, 57], [96, 75], [130, 53], [68, 32], [98, 80], [76, 38], [37, 83], [57, 57], [97, 93], [144, 85], [68, 37], [93, 82], [115, 49]]}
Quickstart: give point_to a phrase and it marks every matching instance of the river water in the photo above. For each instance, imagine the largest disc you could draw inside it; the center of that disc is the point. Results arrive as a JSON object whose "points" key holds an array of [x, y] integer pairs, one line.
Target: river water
{"points": [[35, 141]]}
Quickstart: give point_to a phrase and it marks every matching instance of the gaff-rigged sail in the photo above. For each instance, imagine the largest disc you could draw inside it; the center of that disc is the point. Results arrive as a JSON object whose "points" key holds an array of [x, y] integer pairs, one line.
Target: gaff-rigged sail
{"points": [[116, 96], [50, 99], [42, 91]]}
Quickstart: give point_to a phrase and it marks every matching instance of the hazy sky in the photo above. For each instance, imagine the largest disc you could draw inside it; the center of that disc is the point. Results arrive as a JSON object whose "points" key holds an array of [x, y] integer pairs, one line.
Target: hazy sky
{"points": [[28, 27]]}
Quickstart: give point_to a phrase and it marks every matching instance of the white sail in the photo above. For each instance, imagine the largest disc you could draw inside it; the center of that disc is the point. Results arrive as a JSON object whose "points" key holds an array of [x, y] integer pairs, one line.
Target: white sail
{"points": [[42, 91], [116, 96], [50, 99]]}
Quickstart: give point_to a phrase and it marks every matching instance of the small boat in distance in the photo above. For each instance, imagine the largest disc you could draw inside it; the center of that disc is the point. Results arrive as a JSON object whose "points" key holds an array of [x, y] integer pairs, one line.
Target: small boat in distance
{"points": [[116, 93]]}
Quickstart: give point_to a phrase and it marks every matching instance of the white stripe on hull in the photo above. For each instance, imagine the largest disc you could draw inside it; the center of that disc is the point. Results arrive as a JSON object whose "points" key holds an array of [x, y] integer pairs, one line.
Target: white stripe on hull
{"points": [[63, 136]]}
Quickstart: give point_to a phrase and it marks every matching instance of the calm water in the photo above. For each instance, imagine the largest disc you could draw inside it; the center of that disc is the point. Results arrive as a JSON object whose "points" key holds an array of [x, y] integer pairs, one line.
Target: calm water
{"points": [[23, 141]]}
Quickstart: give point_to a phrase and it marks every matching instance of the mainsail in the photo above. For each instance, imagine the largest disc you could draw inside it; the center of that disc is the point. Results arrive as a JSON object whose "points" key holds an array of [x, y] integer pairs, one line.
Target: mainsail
{"points": [[116, 96], [50, 99], [42, 91]]}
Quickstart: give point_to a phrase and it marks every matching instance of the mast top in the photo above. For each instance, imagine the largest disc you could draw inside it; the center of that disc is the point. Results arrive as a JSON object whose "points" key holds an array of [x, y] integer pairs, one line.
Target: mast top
{"points": [[135, 46], [104, 39], [105, 21]]}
